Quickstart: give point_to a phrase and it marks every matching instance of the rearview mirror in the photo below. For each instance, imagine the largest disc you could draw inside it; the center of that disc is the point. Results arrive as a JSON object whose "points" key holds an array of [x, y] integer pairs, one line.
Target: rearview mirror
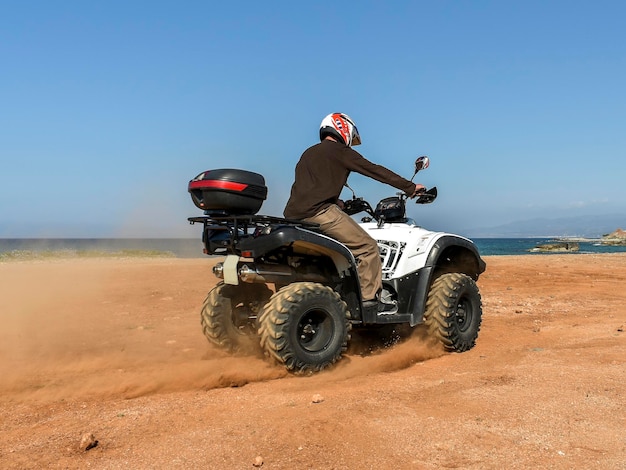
{"points": [[421, 163]]}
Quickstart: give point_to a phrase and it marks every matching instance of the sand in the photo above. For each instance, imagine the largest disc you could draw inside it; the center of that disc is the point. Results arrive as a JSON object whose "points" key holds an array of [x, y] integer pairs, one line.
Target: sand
{"points": [[113, 347]]}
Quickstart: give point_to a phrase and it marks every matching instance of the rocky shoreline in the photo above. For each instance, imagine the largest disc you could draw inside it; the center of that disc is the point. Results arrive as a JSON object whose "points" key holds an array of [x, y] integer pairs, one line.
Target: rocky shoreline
{"points": [[556, 247], [618, 237], [571, 244]]}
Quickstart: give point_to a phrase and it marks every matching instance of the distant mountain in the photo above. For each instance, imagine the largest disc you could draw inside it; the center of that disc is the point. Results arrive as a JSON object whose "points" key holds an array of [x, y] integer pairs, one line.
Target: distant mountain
{"points": [[590, 226]]}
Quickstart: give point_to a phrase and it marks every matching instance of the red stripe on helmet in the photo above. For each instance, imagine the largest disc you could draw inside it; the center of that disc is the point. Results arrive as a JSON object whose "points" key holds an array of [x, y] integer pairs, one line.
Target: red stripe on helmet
{"points": [[342, 126]]}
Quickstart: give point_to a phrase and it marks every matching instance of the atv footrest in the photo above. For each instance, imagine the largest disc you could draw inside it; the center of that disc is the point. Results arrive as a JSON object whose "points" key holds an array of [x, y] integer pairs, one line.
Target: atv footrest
{"points": [[393, 318]]}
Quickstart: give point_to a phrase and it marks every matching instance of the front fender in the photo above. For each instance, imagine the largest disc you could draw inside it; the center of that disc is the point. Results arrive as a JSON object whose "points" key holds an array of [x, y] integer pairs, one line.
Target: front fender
{"points": [[456, 254], [449, 253]]}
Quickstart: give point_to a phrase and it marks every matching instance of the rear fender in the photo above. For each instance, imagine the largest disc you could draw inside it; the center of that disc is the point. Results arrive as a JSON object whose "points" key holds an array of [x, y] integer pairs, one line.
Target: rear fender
{"points": [[309, 243], [301, 241]]}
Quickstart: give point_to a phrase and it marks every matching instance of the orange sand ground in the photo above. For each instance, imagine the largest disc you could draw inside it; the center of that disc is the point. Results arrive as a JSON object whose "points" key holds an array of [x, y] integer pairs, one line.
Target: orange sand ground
{"points": [[114, 347]]}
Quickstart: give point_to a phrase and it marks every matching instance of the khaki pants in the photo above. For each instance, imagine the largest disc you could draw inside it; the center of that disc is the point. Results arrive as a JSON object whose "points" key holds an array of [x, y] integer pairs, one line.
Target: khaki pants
{"points": [[337, 224]]}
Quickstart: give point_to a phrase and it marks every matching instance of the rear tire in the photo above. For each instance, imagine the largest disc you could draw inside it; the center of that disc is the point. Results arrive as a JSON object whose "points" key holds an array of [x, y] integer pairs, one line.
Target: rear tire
{"points": [[229, 315], [454, 311], [305, 327]]}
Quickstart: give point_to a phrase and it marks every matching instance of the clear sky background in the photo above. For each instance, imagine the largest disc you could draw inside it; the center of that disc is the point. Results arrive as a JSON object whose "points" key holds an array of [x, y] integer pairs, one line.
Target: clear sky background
{"points": [[109, 108]]}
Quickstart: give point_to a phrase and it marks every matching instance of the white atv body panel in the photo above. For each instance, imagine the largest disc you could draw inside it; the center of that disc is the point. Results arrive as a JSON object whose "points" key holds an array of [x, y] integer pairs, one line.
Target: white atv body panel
{"points": [[404, 247]]}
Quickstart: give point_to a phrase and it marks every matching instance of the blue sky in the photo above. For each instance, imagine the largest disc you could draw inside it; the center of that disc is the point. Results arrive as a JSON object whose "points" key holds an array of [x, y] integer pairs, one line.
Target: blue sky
{"points": [[108, 109]]}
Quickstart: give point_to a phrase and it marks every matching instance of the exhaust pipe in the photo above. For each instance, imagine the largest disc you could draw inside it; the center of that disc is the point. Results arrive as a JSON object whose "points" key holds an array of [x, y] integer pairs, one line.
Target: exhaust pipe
{"points": [[265, 273], [268, 274]]}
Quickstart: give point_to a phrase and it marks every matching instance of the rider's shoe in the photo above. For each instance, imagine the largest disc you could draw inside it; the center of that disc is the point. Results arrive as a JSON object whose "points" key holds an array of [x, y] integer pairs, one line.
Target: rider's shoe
{"points": [[386, 307], [378, 306], [385, 303]]}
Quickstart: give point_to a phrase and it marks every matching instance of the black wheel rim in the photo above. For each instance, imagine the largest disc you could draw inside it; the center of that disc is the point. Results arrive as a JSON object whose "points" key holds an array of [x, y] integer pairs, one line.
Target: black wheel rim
{"points": [[463, 314], [315, 330]]}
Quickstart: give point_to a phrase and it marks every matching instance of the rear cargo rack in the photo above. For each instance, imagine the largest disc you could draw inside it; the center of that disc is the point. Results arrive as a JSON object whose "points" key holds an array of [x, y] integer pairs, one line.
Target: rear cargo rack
{"points": [[244, 220], [221, 234]]}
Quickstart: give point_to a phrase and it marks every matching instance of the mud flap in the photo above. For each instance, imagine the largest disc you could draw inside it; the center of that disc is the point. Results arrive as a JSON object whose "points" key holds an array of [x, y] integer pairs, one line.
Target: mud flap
{"points": [[230, 270]]}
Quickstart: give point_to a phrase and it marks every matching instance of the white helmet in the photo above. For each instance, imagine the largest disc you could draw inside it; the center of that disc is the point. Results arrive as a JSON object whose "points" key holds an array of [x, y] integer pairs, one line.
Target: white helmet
{"points": [[341, 127]]}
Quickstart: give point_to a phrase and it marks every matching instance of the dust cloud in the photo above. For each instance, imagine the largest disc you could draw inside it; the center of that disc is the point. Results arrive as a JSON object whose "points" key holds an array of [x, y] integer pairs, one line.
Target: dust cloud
{"points": [[73, 329]]}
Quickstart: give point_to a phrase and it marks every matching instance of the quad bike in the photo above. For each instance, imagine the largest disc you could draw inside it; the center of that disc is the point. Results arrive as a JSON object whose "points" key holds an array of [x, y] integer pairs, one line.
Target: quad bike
{"points": [[294, 291]]}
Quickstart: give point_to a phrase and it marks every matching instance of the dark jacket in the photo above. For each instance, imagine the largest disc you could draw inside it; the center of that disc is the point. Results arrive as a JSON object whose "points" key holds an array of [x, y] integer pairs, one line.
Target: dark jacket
{"points": [[322, 171]]}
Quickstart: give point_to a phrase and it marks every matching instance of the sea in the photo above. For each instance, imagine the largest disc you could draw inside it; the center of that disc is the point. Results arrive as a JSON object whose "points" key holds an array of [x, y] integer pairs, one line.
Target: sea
{"points": [[192, 248]]}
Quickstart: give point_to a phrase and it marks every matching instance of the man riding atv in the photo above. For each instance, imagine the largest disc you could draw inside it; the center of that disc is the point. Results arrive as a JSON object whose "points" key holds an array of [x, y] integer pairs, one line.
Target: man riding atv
{"points": [[291, 285], [320, 176]]}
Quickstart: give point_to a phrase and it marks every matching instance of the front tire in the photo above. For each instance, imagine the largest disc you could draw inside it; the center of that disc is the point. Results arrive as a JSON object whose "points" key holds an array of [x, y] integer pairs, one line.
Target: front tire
{"points": [[305, 327], [454, 311], [229, 315]]}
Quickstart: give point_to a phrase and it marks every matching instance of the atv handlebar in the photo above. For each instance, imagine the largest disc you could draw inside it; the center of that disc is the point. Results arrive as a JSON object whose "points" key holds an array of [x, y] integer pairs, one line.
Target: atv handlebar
{"points": [[421, 196], [426, 196]]}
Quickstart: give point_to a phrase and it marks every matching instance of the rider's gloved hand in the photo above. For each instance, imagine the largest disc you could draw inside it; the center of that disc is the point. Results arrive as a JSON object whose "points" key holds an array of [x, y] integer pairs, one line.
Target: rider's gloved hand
{"points": [[419, 189]]}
